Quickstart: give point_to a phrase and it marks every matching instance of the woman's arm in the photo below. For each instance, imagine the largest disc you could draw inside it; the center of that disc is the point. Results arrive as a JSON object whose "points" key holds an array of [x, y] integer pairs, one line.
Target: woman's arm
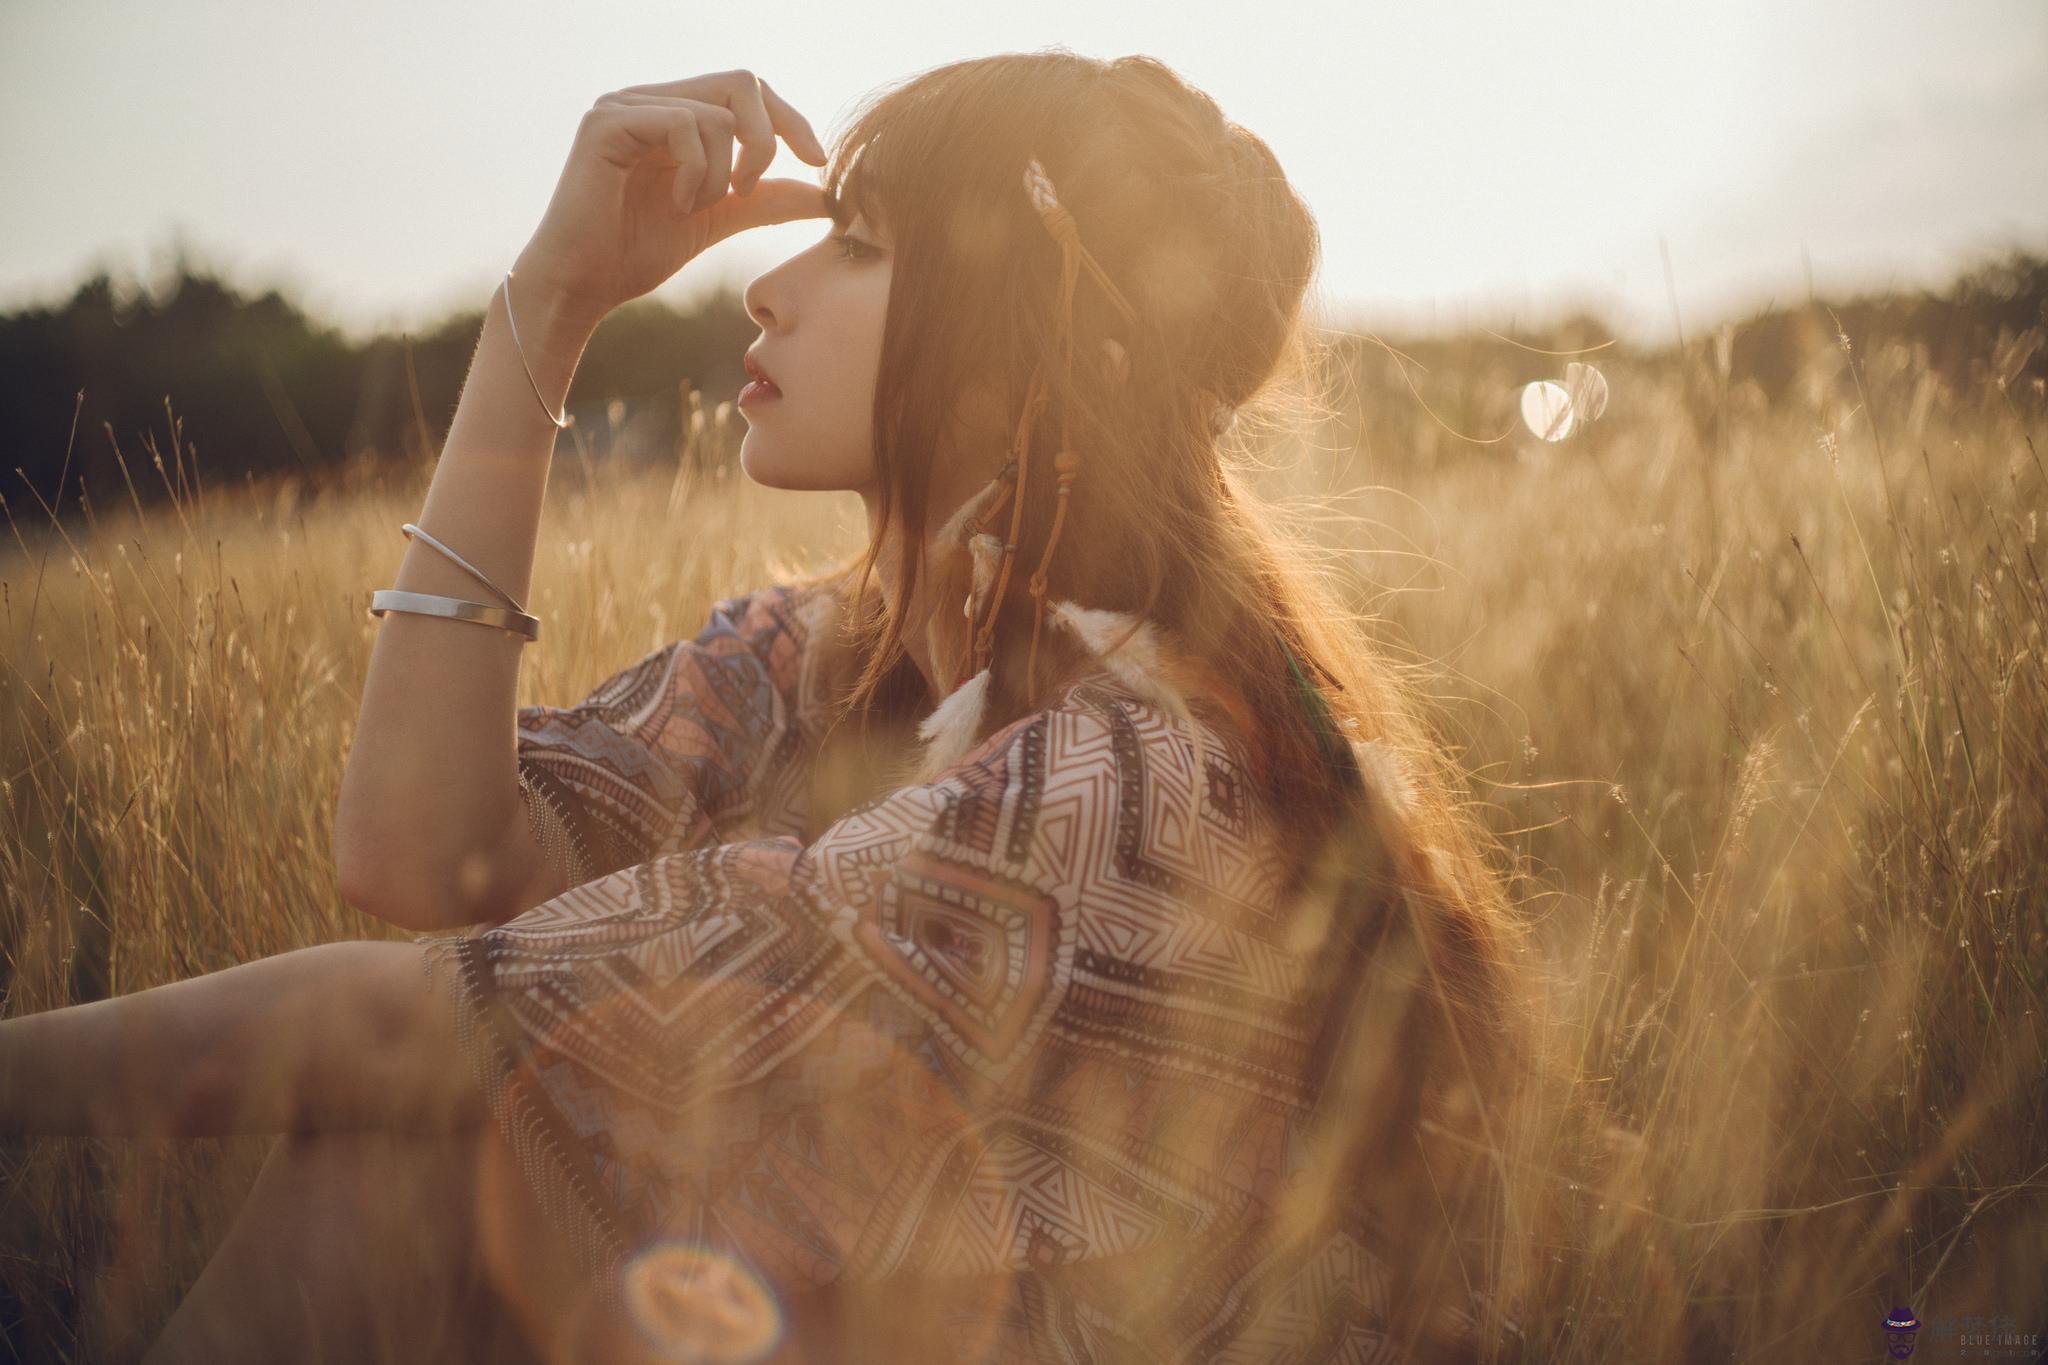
{"points": [[430, 813], [430, 830]]}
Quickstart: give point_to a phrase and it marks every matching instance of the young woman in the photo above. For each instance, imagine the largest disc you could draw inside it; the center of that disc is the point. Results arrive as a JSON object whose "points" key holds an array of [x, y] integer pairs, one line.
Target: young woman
{"points": [[1048, 936]]}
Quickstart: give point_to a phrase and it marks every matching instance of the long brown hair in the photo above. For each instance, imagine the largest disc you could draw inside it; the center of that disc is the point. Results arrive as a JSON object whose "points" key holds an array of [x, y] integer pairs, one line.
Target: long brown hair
{"points": [[1437, 1047]]}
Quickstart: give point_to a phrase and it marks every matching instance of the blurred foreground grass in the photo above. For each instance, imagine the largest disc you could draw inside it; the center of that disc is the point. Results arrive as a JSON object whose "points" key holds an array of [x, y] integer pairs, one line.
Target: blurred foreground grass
{"points": [[1754, 688]]}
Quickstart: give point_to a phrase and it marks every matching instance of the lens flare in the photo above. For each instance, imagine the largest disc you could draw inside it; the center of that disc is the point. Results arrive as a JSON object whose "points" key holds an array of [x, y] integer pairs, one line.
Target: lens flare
{"points": [[1547, 410], [1551, 410], [1588, 390], [698, 1304]]}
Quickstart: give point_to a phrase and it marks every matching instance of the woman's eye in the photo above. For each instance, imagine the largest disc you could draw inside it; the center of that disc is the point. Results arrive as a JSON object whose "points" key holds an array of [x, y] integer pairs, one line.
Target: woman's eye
{"points": [[852, 246]]}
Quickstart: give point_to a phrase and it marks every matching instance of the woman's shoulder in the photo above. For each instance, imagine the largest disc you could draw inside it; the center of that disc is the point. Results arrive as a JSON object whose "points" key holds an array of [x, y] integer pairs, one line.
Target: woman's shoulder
{"points": [[1183, 774]]}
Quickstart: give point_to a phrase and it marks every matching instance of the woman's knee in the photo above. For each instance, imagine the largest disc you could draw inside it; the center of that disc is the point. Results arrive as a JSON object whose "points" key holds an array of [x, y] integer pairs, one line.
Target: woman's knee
{"points": [[384, 1051]]}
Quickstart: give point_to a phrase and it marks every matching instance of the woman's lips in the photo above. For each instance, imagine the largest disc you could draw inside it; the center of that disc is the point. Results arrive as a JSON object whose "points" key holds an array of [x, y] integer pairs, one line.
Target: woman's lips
{"points": [[762, 389]]}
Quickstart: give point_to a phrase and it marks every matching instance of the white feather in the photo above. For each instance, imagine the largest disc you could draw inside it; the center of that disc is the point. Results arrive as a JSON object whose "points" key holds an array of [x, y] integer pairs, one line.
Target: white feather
{"points": [[987, 551], [954, 532], [948, 732]]}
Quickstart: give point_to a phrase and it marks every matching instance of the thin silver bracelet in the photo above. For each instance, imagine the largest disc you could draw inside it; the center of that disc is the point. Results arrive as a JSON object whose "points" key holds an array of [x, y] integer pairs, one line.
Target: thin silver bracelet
{"points": [[472, 570], [455, 609], [562, 422]]}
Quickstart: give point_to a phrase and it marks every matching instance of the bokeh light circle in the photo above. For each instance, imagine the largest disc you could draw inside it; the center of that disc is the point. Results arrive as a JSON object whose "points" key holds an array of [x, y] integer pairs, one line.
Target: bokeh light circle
{"points": [[698, 1304], [1587, 388], [1547, 409]]}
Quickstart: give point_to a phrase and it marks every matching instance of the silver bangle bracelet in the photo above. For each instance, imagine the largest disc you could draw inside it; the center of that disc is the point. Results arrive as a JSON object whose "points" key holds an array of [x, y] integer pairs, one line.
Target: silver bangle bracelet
{"points": [[455, 609], [561, 423], [472, 570]]}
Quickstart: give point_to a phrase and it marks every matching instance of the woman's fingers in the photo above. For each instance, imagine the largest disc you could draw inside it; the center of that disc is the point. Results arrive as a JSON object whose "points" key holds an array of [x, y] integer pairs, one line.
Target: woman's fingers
{"points": [[753, 127], [714, 142], [696, 137], [702, 173], [770, 201], [761, 115], [795, 128]]}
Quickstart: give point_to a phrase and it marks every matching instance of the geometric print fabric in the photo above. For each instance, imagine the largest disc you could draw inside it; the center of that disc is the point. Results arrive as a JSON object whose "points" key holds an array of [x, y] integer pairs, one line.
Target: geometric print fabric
{"points": [[1029, 1037]]}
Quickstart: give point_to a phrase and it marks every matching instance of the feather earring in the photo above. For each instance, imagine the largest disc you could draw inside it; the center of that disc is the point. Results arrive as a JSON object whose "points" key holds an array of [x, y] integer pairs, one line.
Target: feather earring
{"points": [[987, 551], [948, 732], [970, 514], [961, 541]]}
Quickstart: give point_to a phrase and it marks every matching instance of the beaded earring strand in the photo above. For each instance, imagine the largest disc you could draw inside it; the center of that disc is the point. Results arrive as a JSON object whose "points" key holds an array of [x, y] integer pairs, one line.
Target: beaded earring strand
{"points": [[1067, 462], [958, 716]]}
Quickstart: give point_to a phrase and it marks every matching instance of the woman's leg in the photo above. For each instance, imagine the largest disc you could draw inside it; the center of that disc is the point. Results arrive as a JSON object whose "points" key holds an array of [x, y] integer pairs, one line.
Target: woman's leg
{"points": [[337, 1036], [348, 1048], [352, 1246], [386, 1247]]}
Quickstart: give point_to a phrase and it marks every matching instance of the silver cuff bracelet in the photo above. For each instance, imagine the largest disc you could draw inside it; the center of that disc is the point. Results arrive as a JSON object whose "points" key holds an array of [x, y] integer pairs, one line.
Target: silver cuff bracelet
{"points": [[455, 609]]}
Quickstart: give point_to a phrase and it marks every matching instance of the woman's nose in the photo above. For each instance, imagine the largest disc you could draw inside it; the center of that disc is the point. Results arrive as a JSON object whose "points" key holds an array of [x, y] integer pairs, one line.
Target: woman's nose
{"points": [[755, 299]]}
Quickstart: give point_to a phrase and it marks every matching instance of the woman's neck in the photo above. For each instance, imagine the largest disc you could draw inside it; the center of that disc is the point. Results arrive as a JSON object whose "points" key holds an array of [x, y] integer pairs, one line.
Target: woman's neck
{"points": [[914, 640]]}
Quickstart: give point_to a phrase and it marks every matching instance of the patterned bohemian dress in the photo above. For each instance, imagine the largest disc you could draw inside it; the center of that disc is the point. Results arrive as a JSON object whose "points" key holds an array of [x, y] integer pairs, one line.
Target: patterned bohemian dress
{"points": [[1004, 1064]]}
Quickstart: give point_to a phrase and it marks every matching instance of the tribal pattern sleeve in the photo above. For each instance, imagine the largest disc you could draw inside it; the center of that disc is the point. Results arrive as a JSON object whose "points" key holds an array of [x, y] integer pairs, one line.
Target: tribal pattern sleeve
{"points": [[1026, 1045], [672, 750]]}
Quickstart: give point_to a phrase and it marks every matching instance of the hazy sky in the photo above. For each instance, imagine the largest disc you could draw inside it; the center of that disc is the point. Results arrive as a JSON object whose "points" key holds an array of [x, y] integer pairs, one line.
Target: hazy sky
{"points": [[384, 162]]}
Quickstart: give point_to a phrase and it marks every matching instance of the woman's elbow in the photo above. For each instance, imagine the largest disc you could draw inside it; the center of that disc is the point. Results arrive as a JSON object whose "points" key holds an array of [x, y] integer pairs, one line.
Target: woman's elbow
{"points": [[403, 884], [376, 901], [421, 902]]}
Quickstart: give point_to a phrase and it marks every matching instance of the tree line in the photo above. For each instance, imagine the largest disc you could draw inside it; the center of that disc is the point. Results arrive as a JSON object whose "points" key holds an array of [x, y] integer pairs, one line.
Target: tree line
{"points": [[256, 387]]}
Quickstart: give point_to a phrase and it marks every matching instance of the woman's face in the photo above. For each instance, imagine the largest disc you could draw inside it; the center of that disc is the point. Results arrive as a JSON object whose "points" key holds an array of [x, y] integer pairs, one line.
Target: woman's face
{"points": [[821, 314]]}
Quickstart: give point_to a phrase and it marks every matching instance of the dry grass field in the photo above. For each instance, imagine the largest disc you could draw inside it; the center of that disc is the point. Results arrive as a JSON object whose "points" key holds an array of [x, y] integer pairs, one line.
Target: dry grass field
{"points": [[1753, 689]]}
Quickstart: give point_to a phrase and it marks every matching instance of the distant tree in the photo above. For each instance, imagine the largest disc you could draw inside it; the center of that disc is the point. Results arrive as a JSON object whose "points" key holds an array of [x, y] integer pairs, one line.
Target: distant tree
{"points": [[257, 387]]}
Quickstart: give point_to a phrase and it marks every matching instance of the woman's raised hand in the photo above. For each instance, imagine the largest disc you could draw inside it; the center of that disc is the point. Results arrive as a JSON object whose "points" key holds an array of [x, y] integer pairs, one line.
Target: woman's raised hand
{"points": [[645, 187]]}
